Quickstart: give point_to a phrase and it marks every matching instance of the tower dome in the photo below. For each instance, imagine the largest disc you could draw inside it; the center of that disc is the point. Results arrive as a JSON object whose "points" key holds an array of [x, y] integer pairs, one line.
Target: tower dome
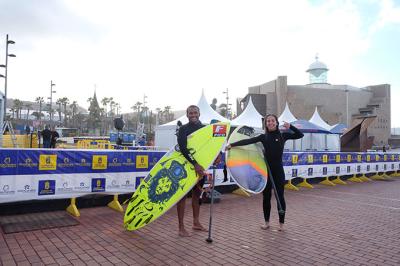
{"points": [[318, 72]]}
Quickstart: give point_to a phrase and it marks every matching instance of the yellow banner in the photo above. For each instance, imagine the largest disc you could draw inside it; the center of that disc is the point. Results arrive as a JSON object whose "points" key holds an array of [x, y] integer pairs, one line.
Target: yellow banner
{"points": [[99, 162], [142, 161], [48, 162]]}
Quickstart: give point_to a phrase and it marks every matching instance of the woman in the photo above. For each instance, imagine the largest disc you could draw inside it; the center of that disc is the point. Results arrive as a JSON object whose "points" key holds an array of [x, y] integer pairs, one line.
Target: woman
{"points": [[273, 141]]}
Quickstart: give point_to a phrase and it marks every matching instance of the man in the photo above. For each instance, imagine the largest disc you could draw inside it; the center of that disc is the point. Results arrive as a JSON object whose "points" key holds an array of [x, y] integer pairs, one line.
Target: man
{"points": [[46, 134], [54, 137], [193, 114]]}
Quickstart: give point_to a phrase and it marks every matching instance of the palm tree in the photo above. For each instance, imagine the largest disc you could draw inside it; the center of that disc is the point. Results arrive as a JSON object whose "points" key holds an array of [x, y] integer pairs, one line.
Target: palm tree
{"points": [[167, 113], [40, 101], [65, 102], [104, 102], [18, 104], [59, 110], [74, 107], [28, 106]]}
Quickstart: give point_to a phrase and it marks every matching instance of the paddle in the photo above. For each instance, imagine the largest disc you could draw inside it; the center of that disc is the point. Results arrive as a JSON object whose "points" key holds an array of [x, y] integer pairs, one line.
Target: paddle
{"points": [[270, 177], [209, 239]]}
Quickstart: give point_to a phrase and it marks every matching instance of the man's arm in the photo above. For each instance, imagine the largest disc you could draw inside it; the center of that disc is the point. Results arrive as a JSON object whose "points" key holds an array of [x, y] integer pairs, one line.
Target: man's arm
{"points": [[182, 142]]}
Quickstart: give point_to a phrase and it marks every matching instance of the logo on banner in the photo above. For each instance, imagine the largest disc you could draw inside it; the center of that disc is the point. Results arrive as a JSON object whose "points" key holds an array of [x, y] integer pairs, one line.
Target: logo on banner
{"points": [[348, 158], [392, 167], [385, 157], [325, 158], [368, 168], [128, 184], [358, 168], [114, 185], [98, 184], [338, 158], [115, 163], [6, 190], [128, 162], [348, 169], [66, 163], [392, 157], [310, 158], [26, 189], [294, 172], [99, 162], [65, 188], [368, 157], [325, 170], [377, 158], [82, 187], [47, 162], [337, 169], [376, 167], [295, 159], [28, 163], [142, 161], [47, 187], [219, 130], [384, 167], [310, 171], [359, 158], [7, 163]]}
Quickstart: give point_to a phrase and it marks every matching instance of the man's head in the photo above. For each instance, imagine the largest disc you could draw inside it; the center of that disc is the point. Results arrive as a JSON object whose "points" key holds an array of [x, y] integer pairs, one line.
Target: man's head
{"points": [[193, 113]]}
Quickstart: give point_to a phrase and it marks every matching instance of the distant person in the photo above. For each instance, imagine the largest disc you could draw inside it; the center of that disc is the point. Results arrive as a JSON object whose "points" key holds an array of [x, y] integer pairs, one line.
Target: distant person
{"points": [[142, 141], [46, 135], [27, 129], [54, 137], [193, 114], [384, 148], [273, 141]]}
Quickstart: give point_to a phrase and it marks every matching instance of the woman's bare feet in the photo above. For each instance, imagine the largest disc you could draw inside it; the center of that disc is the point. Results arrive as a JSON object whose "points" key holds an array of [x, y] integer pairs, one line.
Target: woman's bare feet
{"points": [[280, 227], [265, 226]]}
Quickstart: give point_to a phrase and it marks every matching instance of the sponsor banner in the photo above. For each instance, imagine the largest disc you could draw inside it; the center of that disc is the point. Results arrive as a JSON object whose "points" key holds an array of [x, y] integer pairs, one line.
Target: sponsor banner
{"points": [[27, 174]]}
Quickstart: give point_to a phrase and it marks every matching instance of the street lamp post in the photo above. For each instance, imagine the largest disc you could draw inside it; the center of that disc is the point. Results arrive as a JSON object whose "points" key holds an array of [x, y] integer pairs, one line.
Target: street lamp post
{"points": [[347, 107], [8, 41], [227, 102], [51, 100]]}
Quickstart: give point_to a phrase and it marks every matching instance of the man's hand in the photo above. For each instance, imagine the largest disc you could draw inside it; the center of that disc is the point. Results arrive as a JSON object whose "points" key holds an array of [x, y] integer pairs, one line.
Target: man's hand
{"points": [[228, 147], [199, 171], [286, 125]]}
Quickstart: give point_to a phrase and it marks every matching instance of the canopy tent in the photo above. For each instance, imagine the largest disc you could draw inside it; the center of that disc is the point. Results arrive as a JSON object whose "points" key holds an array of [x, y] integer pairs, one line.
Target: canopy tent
{"points": [[165, 135], [338, 128], [249, 117], [286, 116], [317, 120], [315, 138]]}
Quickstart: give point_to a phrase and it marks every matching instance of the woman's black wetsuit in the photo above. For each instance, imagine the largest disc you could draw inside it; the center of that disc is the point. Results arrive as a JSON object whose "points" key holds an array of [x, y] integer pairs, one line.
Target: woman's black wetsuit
{"points": [[273, 143]]}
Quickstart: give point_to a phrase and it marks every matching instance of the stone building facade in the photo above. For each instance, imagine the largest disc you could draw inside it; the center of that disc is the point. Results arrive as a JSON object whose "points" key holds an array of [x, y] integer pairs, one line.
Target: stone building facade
{"points": [[336, 103]]}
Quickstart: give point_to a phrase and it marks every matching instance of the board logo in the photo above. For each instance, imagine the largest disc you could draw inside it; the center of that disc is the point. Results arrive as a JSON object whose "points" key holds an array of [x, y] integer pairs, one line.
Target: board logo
{"points": [[219, 130]]}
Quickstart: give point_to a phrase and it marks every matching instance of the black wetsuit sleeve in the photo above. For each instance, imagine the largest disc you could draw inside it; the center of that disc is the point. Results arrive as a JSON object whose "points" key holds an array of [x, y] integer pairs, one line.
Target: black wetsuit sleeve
{"points": [[243, 142], [182, 142], [295, 135]]}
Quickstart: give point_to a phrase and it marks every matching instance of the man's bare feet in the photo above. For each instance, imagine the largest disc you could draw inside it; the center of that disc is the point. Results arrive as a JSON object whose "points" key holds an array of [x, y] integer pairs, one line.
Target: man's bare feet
{"points": [[265, 226], [183, 233], [280, 227], [199, 227]]}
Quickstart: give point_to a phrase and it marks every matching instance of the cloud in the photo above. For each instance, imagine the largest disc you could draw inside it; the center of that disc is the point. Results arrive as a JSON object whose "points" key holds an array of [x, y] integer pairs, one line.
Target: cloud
{"points": [[29, 20]]}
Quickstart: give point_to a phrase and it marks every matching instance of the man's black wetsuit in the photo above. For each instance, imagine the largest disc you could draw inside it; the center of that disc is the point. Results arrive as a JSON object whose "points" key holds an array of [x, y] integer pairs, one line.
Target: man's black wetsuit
{"points": [[273, 143], [183, 133]]}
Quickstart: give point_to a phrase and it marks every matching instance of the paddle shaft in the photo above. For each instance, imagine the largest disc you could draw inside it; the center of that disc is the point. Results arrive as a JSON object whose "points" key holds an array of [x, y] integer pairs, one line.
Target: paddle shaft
{"points": [[209, 239], [270, 177]]}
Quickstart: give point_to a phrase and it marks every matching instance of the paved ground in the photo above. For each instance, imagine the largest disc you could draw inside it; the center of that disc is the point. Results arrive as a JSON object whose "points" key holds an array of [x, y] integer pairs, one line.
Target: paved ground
{"points": [[357, 224]]}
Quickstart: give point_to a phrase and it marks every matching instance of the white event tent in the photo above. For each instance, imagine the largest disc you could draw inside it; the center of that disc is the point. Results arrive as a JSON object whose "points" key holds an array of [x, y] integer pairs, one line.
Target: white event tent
{"points": [[165, 135], [249, 117]]}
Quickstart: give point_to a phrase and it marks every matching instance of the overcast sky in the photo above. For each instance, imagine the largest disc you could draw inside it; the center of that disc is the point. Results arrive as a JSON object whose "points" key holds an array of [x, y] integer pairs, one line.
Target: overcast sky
{"points": [[171, 50]]}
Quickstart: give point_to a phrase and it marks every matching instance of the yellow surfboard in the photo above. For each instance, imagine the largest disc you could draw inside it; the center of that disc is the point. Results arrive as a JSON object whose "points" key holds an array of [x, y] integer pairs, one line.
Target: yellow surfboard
{"points": [[173, 176]]}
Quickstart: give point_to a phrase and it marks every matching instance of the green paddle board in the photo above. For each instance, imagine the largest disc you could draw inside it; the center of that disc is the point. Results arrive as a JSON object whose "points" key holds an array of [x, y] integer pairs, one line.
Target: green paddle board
{"points": [[172, 177]]}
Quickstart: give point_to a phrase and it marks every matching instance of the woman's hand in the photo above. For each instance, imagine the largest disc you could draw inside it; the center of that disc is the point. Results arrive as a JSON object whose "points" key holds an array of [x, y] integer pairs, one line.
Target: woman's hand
{"points": [[286, 125], [228, 147]]}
